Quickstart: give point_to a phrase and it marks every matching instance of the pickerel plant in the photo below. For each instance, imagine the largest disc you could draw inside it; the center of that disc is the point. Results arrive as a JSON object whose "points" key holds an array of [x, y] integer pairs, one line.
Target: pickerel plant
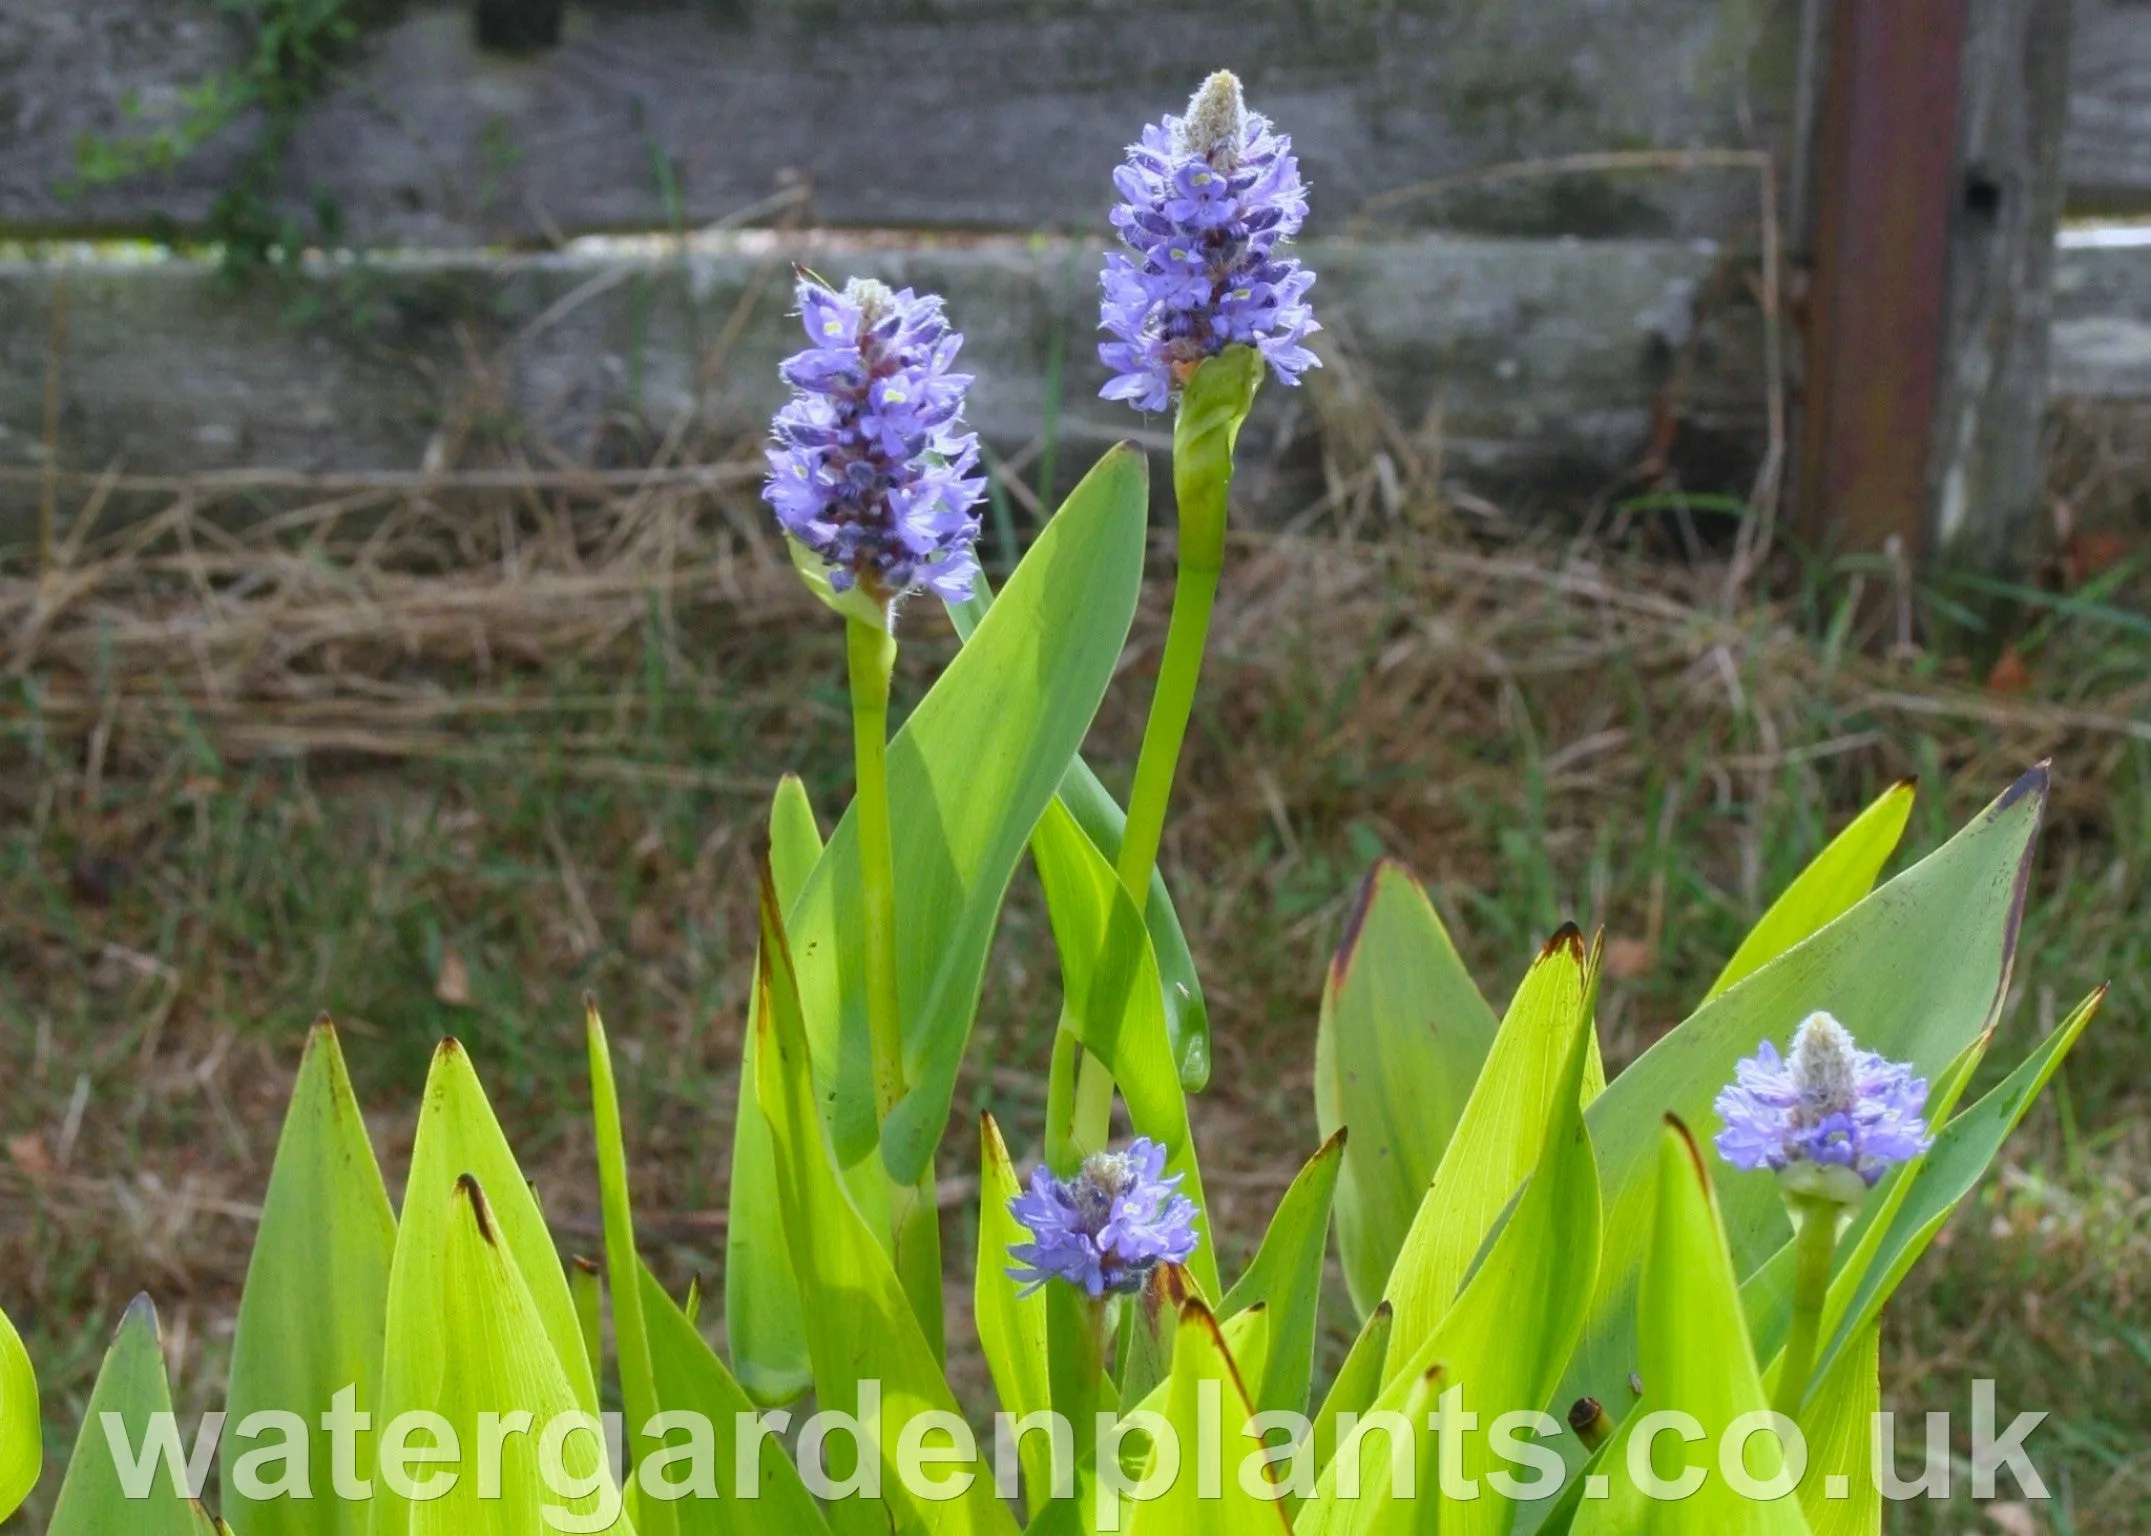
{"points": [[1547, 1269]]}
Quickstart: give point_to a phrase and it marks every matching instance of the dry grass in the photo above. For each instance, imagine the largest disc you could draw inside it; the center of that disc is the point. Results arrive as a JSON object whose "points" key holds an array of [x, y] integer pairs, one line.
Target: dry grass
{"points": [[436, 759]]}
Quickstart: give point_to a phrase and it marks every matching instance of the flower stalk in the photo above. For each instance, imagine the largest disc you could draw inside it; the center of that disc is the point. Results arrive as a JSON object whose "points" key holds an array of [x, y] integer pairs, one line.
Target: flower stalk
{"points": [[1817, 1221], [1200, 303]]}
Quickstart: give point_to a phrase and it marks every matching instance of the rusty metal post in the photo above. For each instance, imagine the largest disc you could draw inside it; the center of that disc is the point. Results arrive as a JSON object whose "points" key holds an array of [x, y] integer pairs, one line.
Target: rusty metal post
{"points": [[1885, 194]]}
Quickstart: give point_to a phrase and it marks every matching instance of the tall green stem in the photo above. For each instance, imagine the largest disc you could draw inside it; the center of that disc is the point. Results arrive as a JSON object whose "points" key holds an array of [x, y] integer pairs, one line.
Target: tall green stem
{"points": [[1216, 402], [871, 653], [914, 1217], [1815, 1245]]}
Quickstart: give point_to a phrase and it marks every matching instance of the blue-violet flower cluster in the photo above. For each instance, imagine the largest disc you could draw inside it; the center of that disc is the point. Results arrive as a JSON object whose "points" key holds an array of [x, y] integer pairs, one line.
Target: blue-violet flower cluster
{"points": [[1107, 1228], [1828, 1104], [1207, 199], [869, 468]]}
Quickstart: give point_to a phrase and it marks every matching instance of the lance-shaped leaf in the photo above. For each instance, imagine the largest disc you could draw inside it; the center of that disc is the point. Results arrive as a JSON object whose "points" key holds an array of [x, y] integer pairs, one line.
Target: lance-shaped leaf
{"points": [[312, 1316], [763, 1326], [22, 1446], [1011, 1325], [1505, 1341], [1357, 1384], [1402, 1035], [1286, 1278], [1208, 1499], [1838, 877], [1187, 1016], [1508, 1338], [499, 1363], [1524, 1088], [128, 1464], [1109, 980], [860, 1327], [692, 1381], [586, 1284], [630, 1336], [458, 1136], [1694, 1359], [974, 765], [1916, 971], [1839, 1422]]}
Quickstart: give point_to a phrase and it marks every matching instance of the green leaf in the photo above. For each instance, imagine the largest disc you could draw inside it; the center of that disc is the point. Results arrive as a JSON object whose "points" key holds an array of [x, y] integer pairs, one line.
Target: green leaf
{"points": [[1402, 1035], [1916, 971], [457, 1138], [852, 603], [588, 1289], [1145, 1357], [974, 765], [497, 1357], [1205, 428], [1286, 1275], [1523, 1089], [691, 1379], [630, 1337], [1011, 1325], [861, 1327], [763, 1325], [22, 1446], [133, 1391], [1508, 1338], [1187, 1016], [1357, 1384], [315, 1307], [1840, 875], [1838, 1420], [1109, 979], [1200, 1356], [1694, 1358], [1103, 821]]}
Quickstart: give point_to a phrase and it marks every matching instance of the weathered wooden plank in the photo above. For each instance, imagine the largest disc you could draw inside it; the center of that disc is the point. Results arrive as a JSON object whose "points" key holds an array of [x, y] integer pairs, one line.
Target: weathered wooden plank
{"points": [[966, 113], [2108, 157], [928, 113], [1536, 360], [1535, 363], [1989, 469]]}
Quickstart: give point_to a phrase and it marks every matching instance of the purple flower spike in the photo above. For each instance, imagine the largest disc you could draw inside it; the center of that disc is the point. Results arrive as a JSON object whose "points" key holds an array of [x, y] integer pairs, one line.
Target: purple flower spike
{"points": [[1107, 1228], [868, 465], [1829, 1105], [1206, 201]]}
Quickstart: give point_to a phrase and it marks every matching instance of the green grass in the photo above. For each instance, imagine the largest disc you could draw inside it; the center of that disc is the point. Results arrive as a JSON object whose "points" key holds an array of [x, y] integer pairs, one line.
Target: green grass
{"points": [[171, 930]]}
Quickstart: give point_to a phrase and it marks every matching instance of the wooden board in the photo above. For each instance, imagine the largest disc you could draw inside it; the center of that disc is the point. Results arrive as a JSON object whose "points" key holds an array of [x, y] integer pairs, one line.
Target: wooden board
{"points": [[907, 113], [2109, 146], [963, 113], [1529, 367], [1523, 364]]}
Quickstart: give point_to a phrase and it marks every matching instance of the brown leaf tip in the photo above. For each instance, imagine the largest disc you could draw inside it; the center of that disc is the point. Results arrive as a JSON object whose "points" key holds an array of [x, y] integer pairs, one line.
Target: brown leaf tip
{"points": [[1566, 937], [2033, 784], [1695, 1153], [1355, 918], [583, 1263], [467, 1187]]}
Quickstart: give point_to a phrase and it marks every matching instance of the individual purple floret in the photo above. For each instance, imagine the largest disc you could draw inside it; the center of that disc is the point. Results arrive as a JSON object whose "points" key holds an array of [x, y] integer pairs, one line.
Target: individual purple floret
{"points": [[1206, 200], [868, 467], [1829, 1104], [1107, 1228]]}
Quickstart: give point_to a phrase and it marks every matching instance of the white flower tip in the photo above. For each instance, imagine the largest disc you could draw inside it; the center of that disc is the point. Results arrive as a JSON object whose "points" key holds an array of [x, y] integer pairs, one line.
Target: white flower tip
{"points": [[872, 296], [1216, 119], [1824, 1065]]}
